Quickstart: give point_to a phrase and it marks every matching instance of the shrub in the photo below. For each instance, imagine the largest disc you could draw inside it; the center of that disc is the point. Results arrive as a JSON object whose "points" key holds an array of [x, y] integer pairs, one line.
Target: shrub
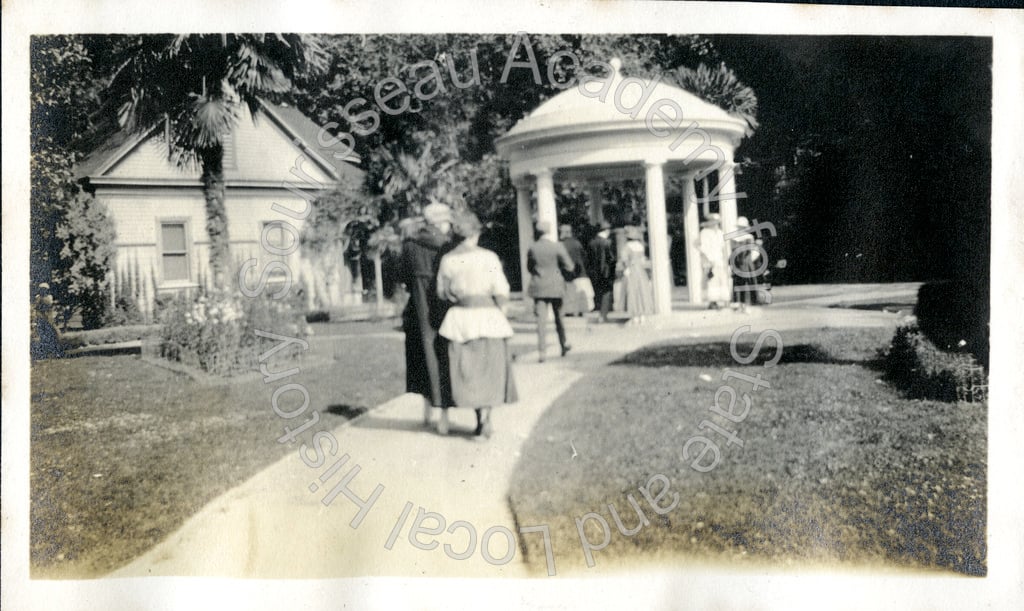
{"points": [[915, 365], [954, 311], [80, 277], [216, 331], [318, 316], [107, 335], [124, 311], [45, 341]]}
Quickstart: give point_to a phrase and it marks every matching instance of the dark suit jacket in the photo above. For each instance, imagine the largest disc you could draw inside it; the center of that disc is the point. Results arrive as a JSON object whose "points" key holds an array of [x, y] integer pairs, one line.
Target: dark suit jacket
{"points": [[575, 250], [602, 263], [546, 260]]}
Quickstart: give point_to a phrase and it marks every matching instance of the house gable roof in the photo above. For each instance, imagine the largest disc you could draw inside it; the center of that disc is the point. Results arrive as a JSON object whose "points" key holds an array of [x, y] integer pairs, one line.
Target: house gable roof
{"points": [[306, 134], [294, 126]]}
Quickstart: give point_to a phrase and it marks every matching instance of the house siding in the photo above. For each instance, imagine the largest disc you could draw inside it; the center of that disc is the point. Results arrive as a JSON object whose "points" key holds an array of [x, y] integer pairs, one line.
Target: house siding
{"points": [[149, 160], [263, 152], [137, 214]]}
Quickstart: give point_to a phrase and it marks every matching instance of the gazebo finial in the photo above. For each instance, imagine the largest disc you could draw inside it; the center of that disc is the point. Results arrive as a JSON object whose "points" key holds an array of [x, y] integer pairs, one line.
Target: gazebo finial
{"points": [[616, 64]]}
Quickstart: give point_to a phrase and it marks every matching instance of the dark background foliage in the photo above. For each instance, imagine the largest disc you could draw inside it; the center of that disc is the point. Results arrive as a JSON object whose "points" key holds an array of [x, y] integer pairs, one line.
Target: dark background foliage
{"points": [[871, 154]]}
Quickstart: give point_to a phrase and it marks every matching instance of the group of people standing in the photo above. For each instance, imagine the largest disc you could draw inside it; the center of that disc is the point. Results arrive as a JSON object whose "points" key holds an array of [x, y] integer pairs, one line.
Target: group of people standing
{"points": [[738, 259], [571, 279], [456, 331]]}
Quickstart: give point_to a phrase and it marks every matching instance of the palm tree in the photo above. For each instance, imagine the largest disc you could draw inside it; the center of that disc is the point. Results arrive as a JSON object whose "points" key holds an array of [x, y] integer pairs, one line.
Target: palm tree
{"points": [[721, 87], [196, 85], [413, 181]]}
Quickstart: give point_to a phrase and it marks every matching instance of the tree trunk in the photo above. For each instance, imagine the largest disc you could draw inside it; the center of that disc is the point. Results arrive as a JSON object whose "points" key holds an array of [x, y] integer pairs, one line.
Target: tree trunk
{"points": [[212, 160], [378, 275]]}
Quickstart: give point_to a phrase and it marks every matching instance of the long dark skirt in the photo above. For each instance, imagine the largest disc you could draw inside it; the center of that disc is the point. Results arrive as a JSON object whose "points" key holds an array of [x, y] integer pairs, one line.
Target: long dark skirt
{"points": [[481, 373], [426, 366]]}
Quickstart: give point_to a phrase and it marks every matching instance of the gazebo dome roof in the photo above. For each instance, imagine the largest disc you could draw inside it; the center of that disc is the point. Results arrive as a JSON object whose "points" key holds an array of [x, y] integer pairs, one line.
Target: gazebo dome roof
{"points": [[572, 111]]}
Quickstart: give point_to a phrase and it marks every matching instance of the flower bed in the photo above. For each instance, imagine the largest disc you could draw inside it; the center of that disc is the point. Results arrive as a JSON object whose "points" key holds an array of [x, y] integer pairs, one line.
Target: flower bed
{"points": [[216, 332]]}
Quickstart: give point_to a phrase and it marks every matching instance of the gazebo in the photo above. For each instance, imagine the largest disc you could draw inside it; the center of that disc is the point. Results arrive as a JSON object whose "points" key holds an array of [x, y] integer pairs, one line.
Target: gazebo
{"points": [[627, 129]]}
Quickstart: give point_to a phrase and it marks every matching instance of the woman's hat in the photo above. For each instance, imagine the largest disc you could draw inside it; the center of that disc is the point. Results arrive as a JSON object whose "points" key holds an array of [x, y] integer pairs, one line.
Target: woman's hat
{"points": [[437, 213], [466, 224], [633, 233], [543, 227]]}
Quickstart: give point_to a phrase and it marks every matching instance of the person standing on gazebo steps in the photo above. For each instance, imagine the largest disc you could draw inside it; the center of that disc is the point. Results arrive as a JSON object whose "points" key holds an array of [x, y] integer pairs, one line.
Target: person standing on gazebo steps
{"points": [[426, 369], [714, 263], [602, 269], [579, 293], [638, 294], [547, 261], [742, 262]]}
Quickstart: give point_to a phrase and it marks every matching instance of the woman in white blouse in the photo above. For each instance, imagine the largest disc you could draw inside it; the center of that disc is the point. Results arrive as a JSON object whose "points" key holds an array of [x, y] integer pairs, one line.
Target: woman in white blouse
{"points": [[471, 279]]}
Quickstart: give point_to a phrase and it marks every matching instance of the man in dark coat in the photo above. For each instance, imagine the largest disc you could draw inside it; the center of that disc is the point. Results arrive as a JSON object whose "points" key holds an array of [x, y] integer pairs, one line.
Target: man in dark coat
{"points": [[602, 269], [547, 261], [577, 298], [425, 355]]}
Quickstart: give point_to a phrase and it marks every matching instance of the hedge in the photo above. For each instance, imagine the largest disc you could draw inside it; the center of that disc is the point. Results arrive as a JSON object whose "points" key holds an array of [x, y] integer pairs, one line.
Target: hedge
{"points": [[921, 370]]}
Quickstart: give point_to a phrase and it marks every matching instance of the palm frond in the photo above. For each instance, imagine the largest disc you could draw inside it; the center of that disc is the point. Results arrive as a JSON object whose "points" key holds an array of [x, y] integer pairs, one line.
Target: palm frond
{"points": [[721, 87], [213, 118]]}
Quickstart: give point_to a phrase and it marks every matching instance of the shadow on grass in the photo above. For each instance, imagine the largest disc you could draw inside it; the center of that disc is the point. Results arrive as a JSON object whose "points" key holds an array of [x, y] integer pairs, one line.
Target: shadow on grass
{"points": [[718, 354], [346, 411], [894, 307]]}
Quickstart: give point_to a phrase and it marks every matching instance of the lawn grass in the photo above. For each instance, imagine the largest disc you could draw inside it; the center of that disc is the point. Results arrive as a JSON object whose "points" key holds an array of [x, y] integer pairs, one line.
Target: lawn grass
{"points": [[835, 467], [123, 451]]}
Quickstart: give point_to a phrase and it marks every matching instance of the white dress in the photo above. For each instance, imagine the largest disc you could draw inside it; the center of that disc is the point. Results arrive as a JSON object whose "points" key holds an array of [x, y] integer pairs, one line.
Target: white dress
{"points": [[712, 250]]}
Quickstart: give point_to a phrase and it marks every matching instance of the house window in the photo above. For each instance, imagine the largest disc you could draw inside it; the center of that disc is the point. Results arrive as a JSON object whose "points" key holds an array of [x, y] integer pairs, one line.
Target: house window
{"points": [[174, 251]]}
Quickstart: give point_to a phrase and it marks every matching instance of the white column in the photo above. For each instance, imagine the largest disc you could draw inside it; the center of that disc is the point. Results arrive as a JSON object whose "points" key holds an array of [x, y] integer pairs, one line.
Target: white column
{"points": [[524, 217], [727, 196], [727, 206], [691, 231], [657, 230], [546, 210], [596, 204]]}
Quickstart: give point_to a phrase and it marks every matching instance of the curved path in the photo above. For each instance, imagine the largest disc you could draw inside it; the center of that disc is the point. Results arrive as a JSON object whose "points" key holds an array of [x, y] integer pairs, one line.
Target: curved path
{"points": [[275, 525]]}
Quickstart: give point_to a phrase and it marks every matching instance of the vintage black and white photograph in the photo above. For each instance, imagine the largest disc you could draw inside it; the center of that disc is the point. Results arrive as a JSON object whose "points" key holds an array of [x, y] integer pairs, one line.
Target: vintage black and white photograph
{"points": [[509, 305]]}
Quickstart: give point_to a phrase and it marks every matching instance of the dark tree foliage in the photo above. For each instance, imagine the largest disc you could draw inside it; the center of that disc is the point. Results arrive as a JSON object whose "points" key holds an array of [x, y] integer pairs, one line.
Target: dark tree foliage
{"points": [[72, 237], [873, 155]]}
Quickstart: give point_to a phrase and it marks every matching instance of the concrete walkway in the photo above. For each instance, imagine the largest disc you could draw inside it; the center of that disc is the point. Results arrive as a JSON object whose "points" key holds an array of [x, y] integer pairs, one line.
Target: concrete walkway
{"points": [[275, 525]]}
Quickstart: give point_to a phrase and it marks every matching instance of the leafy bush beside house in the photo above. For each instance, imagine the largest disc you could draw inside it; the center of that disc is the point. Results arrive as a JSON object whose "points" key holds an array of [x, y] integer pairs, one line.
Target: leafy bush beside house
{"points": [[80, 282]]}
